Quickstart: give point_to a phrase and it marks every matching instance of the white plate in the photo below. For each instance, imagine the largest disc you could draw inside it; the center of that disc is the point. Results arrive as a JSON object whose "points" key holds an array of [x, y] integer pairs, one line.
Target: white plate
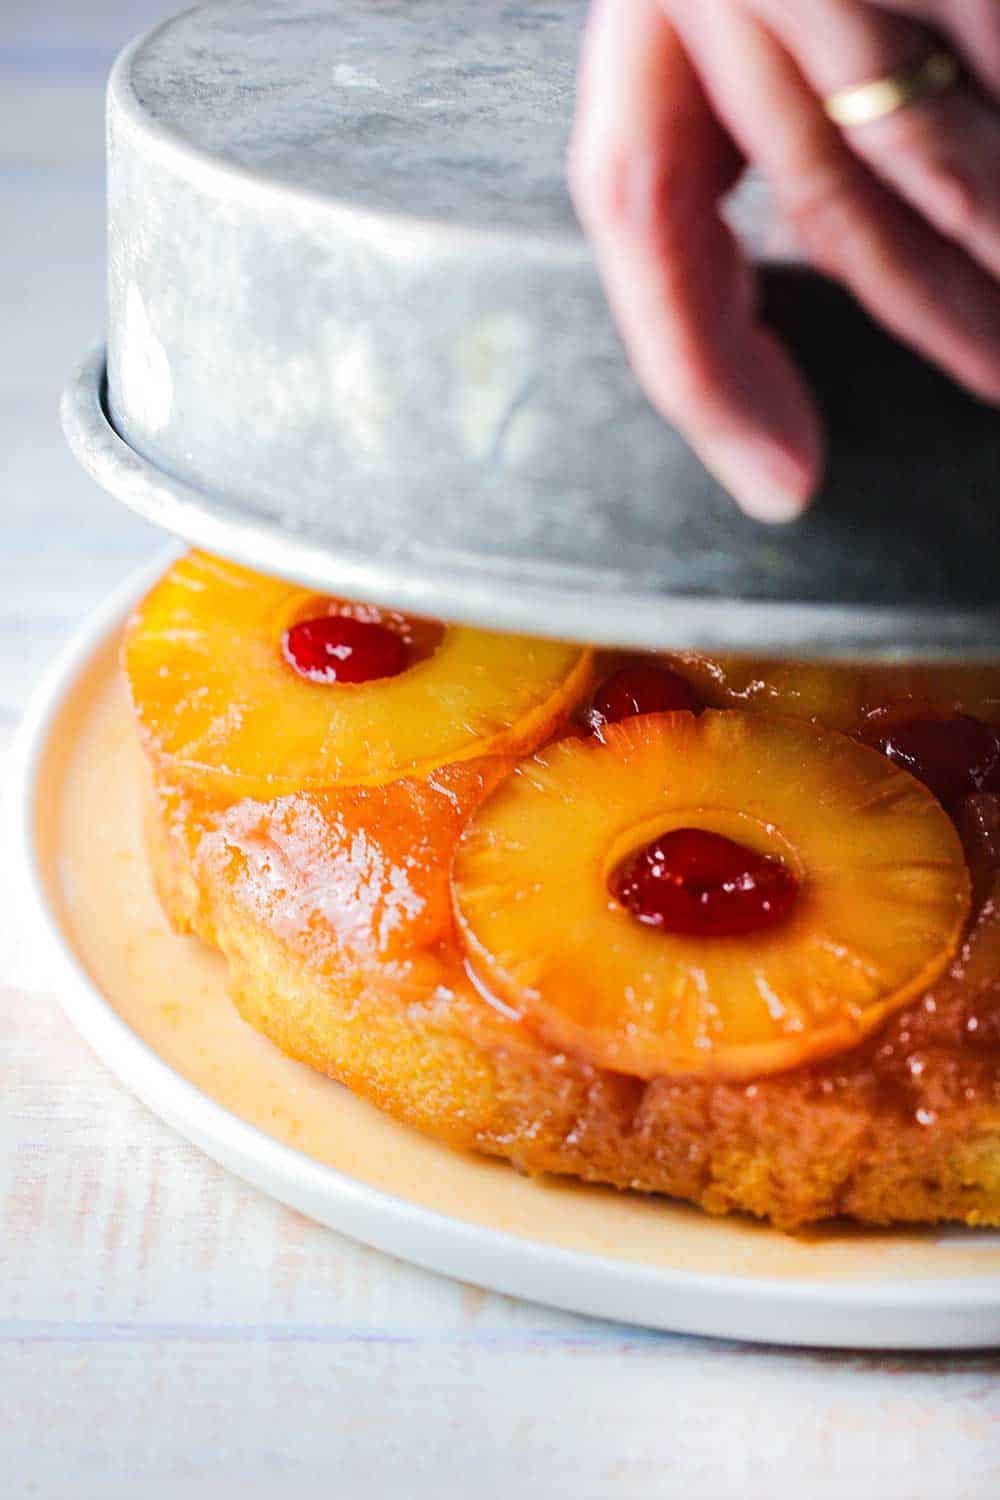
{"points": [[311, 1144]]}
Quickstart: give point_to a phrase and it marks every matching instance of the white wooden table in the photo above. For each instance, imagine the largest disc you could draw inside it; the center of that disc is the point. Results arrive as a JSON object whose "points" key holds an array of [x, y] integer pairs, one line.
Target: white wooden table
{"points": [[165, 1330]]}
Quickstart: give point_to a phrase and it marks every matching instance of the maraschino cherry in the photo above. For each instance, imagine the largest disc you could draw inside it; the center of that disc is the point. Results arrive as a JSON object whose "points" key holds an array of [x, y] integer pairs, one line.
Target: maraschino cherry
{"points": [[703, 884], [338, 648], [642, 688], [954, 757]]}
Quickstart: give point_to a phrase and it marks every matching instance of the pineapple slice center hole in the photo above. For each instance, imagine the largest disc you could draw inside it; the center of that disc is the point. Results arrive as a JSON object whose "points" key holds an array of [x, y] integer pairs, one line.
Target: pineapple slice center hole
{"points": [[731, 903], [419, 638]]}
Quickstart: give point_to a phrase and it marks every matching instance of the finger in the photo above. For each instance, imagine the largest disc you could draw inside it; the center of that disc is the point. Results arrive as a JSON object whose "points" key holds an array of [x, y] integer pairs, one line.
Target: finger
{"points": [[911, 278], [648, 164], [941, 153], [972, 25]]}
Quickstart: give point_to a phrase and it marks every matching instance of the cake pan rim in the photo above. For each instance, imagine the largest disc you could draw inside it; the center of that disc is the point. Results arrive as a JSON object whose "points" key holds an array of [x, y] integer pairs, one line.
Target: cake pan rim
{"points": [[490, 600]]}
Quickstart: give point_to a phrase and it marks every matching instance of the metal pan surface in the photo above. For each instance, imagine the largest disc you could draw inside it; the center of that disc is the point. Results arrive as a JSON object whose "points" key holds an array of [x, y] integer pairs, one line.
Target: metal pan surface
{"points": [[357, 336]]}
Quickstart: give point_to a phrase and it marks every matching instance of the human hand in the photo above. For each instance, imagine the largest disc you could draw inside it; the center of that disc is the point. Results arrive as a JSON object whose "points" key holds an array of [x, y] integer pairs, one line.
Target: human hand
{"points": [[675, 96]]}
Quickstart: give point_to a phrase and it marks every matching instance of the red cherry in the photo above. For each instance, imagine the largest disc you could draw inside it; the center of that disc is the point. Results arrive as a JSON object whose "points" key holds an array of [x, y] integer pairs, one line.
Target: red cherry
{"points": [[337, 648], [705, 885], [953, 757], [643, 688]]}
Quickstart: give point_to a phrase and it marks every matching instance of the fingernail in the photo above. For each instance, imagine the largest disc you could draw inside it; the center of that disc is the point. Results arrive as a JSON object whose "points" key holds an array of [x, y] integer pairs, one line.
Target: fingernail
{"points": [[767, 483]]}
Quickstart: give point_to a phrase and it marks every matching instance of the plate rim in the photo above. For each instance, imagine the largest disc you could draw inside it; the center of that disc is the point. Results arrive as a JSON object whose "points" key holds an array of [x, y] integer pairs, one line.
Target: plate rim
{"points": [[947, 1313]]}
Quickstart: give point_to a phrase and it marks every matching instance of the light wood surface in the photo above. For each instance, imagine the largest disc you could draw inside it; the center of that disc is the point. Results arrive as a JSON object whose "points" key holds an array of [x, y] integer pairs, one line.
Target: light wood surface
{"points": [[165, 1330]]}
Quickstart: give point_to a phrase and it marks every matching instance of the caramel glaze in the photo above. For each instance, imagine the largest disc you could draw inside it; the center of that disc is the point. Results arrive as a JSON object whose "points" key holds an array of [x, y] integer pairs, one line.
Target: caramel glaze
{"points": [[904, 1127]]}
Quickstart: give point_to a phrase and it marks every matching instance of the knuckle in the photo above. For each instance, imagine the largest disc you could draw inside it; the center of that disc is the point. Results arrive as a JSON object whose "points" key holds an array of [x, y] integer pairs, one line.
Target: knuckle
{"points": [[923, 149], [598, 181], [619, 188]]}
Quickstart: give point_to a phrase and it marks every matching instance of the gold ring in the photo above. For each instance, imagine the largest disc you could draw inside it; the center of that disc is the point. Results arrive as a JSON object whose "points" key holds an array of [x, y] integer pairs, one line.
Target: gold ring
{"points": [[883, 96]]}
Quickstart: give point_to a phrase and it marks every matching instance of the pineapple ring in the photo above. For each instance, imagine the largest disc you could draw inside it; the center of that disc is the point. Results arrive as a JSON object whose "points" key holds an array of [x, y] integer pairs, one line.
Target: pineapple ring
{"points": [[222, 712], [840, 695], [882, 902]]}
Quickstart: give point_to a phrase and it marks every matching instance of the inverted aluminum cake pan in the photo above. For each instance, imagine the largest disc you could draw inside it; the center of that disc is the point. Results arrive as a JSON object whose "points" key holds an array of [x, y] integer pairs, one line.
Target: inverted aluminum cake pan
{"points": [[356, 337]]}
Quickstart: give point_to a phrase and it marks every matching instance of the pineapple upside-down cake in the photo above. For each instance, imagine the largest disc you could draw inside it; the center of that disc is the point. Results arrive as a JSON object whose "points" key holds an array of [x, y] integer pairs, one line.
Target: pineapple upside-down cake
{"points": [[721, 929]]}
